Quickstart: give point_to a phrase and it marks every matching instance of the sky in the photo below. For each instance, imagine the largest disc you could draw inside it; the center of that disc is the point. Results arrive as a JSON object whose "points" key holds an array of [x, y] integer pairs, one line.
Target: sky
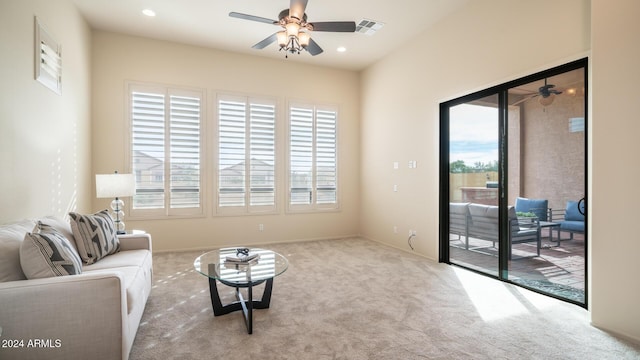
{"points": [[473, 134]]}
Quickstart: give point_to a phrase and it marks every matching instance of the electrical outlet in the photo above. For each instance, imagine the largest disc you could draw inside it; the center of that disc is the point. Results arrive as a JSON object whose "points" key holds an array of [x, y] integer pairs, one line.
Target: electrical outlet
{"points": [[260, 227], [395, 188], [412, 233], [395, 229]]}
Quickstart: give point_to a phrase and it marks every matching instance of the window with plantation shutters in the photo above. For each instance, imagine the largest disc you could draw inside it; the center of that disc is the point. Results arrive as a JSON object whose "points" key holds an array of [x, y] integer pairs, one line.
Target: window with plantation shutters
{"points": [[313, 160], [166, 160], [246, 155]]}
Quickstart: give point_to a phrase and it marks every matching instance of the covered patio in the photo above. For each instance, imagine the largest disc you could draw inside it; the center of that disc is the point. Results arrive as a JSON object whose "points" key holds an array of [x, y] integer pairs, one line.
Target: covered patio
{"points": [[559, 270]]}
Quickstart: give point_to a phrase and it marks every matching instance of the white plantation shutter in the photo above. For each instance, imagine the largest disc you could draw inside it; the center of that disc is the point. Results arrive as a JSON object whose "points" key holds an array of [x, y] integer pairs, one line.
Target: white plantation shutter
{"points": [[246, 155], [301, 156], [231, 153], [262, 154], [326, 157], [184, 177], [313, 170], [166, 150], [148, 131]]}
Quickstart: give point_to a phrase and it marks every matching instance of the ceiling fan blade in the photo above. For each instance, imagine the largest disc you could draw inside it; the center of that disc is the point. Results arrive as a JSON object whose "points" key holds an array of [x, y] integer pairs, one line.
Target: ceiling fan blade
{"points": [[334, 26], [313, 48], [297, 8], [264, 43], [524, 99], [252, 18]]}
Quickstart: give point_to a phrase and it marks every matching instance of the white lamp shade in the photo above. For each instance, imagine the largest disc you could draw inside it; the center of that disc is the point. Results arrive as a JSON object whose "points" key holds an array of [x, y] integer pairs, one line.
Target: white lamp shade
{"points": [[282, 38], [303, 38], [292, 29], [115, 185]]}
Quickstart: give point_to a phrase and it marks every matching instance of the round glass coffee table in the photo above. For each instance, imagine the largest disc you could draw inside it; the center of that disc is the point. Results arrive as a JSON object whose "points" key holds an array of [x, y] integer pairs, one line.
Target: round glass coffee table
{"points": [[216, 266]]}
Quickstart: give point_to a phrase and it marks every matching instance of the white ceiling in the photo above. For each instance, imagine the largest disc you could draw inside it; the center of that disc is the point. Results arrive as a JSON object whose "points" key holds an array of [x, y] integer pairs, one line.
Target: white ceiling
{"points": [[207, 23]]}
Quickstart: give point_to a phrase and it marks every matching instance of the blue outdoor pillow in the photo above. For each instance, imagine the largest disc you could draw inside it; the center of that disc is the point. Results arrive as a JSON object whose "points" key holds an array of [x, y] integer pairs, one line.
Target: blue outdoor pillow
{"points": [[536, 206], [572, 213]]}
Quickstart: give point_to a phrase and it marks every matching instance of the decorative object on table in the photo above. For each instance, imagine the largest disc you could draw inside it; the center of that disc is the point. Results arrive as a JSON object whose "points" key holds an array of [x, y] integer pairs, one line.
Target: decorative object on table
{"points": [[242, 257], [48, 59], [116, 186]]}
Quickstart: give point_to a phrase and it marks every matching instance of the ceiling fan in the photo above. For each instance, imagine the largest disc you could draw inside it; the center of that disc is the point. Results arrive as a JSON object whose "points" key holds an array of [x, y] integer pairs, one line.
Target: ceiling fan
{"points": [[547, 94], [295, 36]]}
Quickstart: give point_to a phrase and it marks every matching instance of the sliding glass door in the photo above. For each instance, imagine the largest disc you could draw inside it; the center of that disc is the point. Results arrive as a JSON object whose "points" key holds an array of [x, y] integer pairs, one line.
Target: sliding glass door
{"points": [[513, 180], [473, 183]]}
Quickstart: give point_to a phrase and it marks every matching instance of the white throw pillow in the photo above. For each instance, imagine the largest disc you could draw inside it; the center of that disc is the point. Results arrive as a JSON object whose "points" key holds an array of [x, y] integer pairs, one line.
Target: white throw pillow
{"points": [[95, 235], [45, 252], [11, 238]]}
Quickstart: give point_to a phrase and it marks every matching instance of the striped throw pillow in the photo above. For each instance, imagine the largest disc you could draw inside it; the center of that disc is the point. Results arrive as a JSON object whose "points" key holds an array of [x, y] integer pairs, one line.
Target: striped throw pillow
{"points": [[95, 235], [45, 252]]}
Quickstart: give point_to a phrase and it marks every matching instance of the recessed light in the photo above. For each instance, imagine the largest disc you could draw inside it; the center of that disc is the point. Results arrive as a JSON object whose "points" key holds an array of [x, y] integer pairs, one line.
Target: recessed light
{"points": [[149, 12], [341, 49]]}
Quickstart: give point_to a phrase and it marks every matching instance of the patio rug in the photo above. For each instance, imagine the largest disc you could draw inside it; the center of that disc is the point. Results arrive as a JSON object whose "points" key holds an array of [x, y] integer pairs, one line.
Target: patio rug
{"points": [[561, 290]]}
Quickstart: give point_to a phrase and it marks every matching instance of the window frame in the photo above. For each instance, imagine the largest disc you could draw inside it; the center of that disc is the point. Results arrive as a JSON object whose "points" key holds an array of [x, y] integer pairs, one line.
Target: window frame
{"points": [[314, 206], [167, 91]]}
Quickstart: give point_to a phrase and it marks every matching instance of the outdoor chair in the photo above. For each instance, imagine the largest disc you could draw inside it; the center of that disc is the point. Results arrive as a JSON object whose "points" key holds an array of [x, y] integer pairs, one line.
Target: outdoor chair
{"points": [[539, 207], [573, 220]]}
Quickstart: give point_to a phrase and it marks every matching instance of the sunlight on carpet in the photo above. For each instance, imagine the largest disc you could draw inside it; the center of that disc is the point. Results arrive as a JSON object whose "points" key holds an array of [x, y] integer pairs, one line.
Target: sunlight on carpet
{"points": [[495, 300]]}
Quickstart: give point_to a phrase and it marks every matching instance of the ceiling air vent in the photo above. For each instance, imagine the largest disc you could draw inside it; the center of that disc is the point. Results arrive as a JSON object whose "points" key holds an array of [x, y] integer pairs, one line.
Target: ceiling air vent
{"points": [[368, 27]]}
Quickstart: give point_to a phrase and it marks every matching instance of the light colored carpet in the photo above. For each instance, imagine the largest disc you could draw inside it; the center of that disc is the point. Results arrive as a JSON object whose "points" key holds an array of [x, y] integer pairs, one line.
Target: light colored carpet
{"points": [[357, 299]]}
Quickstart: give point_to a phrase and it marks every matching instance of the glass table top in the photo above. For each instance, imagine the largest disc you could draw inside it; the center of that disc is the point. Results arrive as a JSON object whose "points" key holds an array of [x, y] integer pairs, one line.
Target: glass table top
{"points": [[215, 265]]}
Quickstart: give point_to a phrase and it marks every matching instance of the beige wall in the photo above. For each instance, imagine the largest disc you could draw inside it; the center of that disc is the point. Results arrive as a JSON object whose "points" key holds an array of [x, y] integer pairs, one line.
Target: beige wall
{"points": [[44, 137], [553, 157], [615, 245], [120, 58]]}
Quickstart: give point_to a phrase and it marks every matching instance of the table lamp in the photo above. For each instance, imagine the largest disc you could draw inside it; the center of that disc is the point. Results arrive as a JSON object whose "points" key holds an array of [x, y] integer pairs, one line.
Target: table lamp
{"points": [[116, 186]]}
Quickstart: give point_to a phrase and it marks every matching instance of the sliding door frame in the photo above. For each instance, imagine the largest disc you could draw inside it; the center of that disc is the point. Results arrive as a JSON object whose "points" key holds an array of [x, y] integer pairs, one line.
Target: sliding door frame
{"points": [[503, 161]]}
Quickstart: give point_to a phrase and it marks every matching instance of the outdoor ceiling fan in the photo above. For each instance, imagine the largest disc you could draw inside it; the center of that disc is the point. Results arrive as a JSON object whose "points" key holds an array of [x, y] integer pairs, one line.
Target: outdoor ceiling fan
{"points": [[547, 94], [295, 34]]}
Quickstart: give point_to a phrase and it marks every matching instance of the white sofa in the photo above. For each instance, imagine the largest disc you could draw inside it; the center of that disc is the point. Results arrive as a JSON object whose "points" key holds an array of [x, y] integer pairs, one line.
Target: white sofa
{"points": [[91, 315]]}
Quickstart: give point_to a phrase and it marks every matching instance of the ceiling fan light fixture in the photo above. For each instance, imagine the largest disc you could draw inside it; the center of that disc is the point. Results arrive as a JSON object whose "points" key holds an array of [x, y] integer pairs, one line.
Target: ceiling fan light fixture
{"points": [[292, 29], [303, 39], [282, 38], [296, 34], [546, 101]]}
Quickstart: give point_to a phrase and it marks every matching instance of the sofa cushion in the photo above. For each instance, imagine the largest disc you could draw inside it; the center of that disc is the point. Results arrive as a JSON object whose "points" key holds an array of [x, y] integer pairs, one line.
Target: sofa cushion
{"points": [[123, 258], [45, 252], [11, 237], [136, 279], [577, 226], [95, 235]]}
